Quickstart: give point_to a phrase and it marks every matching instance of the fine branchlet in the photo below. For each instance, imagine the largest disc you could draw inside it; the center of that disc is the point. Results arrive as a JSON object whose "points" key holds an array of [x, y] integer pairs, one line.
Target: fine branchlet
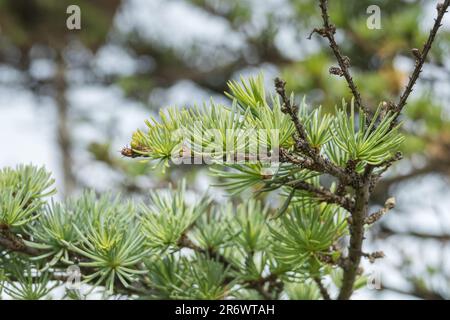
{"points": [[328, 31], [421, 56]]}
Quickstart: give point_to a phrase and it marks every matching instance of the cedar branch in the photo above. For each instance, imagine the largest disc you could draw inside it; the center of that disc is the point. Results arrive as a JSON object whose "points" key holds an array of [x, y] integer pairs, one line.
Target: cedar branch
{"points": [[327, 31]]}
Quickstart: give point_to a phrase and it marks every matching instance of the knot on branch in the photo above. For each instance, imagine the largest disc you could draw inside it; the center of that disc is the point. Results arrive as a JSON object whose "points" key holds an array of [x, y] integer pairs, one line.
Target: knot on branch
{"points": [[346, 61], [325, 258], [417, 54], [320, 31], [336, 71], [325, 32], [374, 256], [386, 107]]}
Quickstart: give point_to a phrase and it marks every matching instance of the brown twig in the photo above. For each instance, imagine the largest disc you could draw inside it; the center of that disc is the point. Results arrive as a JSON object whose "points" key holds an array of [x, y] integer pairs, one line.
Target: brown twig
{"points": [[11, 242], [374, 256], [322, 289], [374, 217], [318, 163], [327, 31], [363, 192], [292, 111], [356, 229], [315, 161], [323, 194], [422, 56]]}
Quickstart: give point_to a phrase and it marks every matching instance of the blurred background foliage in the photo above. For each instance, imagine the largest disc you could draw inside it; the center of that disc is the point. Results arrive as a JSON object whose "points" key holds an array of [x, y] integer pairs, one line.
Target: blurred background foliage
{"points": [[160, 53]]}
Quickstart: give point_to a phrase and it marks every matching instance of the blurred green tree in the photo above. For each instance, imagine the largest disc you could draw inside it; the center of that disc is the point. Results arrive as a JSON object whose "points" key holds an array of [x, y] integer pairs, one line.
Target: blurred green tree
{"points": [[33, 30]]}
